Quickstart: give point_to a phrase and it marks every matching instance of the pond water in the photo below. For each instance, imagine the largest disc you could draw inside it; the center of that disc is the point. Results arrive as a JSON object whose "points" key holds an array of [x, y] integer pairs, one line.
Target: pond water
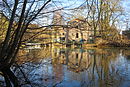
{"points": [[67, 67]]}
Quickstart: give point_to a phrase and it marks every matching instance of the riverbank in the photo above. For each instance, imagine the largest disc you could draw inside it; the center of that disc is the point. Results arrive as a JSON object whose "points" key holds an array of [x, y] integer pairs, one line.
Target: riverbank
{"points": [[98, 44], [111, 43]]}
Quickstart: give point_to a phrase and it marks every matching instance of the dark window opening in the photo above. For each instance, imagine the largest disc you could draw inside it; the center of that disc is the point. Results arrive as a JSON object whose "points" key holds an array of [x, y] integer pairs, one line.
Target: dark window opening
{"points": [[77, 35], [77, 56]]}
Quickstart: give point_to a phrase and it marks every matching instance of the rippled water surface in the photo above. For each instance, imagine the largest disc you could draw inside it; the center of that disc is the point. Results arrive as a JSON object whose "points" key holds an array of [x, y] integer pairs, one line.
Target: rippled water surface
{"points": [[58, 67]]}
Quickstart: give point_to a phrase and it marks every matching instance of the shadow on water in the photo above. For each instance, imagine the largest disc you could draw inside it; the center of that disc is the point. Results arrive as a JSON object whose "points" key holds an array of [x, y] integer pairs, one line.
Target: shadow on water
{"points": [[56, 67]]}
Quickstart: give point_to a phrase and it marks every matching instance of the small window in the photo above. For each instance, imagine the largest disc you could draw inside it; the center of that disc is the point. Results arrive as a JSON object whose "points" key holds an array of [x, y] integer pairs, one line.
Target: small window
{"points": [[77, 35], [63, 33], [77, 56]]}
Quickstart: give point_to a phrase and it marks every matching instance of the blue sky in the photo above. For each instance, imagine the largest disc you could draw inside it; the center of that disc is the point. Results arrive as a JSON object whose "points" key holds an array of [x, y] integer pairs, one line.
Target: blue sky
{"points": [[126, 5], [70, 3], [124, 19], [76, 3]]}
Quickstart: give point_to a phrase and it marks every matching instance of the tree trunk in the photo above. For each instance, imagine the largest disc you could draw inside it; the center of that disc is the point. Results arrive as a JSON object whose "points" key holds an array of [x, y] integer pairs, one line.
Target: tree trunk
{"points": [[10, 77]]}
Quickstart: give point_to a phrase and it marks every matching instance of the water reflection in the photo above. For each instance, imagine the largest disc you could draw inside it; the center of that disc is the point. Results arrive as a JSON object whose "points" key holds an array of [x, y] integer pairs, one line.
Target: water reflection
{"points": [[55, 67]]}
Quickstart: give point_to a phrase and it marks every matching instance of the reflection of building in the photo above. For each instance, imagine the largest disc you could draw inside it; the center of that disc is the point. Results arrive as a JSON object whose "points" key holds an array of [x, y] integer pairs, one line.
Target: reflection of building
{"points": [[75, 60], [79, 61], [57, 66], [96, 67]]}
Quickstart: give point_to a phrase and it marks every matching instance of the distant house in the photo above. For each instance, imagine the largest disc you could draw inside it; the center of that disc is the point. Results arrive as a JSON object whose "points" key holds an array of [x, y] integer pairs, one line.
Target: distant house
{"points": [[77, 31]]}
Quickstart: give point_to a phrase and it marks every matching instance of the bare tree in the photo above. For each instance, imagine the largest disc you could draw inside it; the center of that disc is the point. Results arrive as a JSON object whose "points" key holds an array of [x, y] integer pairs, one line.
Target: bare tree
{"points": [[22, 12]]}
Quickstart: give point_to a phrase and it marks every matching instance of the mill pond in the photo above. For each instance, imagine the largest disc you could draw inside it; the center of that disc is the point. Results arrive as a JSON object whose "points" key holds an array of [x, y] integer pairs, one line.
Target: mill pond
{"points": [[67, 67]]}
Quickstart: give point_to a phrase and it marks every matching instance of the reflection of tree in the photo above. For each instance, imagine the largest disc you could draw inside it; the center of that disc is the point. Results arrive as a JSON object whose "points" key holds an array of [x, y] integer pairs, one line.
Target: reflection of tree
{"points": [[91, 67], [106, 72], [34, 55], [98, 64], [30, 67]]}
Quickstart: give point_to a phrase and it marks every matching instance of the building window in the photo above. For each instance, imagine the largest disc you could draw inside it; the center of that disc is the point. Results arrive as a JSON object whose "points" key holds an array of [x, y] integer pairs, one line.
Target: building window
{"points": [[77, 35], [63, 33]]}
